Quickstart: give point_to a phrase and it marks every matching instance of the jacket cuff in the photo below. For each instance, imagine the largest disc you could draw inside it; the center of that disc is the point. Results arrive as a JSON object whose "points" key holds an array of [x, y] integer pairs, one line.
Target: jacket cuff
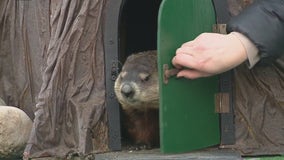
{"points": [[262, 22], [251, 50]]}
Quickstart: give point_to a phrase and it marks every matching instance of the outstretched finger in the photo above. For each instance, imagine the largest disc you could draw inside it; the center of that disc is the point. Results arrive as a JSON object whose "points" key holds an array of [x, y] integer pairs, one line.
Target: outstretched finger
{"points": [[185, 50], [184, 60]]}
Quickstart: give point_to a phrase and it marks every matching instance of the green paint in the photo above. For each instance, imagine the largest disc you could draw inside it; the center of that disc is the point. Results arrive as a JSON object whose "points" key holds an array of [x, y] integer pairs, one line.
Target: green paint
{"points": [[188, 120]]}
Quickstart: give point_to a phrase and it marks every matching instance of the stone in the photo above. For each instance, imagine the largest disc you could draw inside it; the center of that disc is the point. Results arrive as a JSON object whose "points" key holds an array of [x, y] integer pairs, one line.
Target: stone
{"points": [[15, 127]]}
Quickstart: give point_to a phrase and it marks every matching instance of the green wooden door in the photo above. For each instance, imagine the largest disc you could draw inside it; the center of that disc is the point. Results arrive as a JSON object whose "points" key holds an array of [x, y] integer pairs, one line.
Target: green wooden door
{"points": [[187, 117]]}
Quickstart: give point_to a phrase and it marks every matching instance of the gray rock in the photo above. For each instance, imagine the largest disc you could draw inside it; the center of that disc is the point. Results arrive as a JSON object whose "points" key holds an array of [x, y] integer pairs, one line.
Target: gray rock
{"points": [[15, 127]]}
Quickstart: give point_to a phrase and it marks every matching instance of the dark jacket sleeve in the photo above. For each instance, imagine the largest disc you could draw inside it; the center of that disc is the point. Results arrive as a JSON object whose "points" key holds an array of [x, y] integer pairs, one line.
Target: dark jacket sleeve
{"points": [[263, 23]]}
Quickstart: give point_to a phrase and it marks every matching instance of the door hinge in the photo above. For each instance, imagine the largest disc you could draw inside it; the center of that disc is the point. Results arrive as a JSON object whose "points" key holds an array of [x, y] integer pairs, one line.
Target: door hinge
{"points": [[220, 28], [222, 103]]}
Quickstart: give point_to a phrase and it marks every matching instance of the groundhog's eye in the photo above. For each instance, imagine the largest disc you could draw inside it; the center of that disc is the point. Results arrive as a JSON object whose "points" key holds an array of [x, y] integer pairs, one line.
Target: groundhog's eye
{"points": [[144, 76]]}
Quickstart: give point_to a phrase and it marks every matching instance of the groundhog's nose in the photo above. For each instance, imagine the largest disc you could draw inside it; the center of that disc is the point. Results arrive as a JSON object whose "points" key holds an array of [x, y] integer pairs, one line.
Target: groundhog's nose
{"points": [[127, 90]]}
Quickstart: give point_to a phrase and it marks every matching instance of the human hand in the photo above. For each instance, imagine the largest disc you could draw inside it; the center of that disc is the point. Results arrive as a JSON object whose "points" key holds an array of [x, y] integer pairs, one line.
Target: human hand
{"points": [[209, 54]]}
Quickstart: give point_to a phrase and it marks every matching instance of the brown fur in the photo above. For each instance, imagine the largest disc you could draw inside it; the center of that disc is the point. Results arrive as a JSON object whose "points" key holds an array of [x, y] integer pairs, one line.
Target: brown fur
{"points": [[137, 91], [142, 127]]}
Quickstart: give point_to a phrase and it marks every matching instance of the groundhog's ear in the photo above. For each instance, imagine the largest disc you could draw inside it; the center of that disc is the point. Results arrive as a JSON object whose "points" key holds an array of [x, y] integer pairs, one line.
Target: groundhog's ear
{"points": [[123, 74], [144, 76]]}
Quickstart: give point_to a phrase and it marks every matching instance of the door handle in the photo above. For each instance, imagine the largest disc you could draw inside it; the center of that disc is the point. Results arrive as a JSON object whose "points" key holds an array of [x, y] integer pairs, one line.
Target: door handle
{"points": [[168, 73]]}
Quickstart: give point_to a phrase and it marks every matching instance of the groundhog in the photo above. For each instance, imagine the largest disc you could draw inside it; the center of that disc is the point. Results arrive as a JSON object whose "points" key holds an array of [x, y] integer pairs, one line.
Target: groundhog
{"points": [[137, 90]]}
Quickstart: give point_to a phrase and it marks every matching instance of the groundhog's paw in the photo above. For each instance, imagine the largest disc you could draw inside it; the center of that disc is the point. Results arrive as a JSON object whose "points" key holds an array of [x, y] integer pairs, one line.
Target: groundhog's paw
{"points": [[138, 147]]}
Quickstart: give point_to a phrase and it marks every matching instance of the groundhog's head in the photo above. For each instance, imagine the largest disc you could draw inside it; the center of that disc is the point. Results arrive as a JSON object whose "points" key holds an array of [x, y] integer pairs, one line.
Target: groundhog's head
{"points": [[137, 84]]}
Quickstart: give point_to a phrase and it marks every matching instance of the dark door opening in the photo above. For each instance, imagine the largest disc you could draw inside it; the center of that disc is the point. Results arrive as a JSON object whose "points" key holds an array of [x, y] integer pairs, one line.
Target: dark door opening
{"points": [[138, 27]]}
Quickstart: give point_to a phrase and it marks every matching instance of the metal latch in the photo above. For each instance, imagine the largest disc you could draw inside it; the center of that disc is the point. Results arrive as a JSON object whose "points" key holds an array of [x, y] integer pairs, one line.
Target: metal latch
{"points": [[222, 103], [220, 28], [168, 73]]}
